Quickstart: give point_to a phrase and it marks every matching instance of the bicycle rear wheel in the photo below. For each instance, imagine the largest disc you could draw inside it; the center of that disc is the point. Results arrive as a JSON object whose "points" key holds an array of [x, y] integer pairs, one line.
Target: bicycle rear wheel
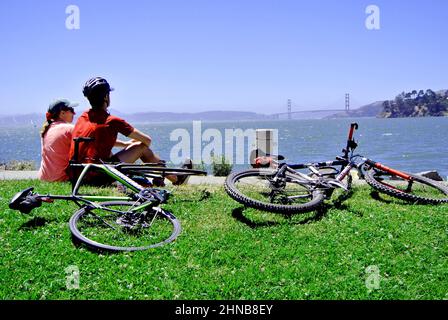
{"points": [[255, 188], [116, 226], [419, 189]]}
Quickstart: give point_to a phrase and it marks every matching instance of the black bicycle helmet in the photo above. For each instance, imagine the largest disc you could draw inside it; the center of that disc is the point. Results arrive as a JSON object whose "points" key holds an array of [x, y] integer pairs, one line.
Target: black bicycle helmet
{"points": [[96, 85]]}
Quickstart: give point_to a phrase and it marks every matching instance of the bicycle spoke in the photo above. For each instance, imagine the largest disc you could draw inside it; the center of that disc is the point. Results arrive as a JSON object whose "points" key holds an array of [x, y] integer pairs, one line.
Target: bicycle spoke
{"points": [[102, 220], [264, 188]]}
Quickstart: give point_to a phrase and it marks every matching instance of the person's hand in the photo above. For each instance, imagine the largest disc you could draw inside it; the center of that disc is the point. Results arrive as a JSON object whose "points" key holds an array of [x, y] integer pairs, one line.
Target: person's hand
{"points": [[130, 142], [123, 144]]}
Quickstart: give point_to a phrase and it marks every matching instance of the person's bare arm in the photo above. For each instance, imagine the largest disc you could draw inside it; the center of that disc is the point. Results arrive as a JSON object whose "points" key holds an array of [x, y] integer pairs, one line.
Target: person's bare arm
{"points": [[140, 136], [122, 144]]}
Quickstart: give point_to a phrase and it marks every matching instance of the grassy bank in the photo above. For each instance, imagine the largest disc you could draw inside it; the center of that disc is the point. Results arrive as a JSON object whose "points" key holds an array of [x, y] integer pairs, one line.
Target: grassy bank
{"points": [[228, 252]]}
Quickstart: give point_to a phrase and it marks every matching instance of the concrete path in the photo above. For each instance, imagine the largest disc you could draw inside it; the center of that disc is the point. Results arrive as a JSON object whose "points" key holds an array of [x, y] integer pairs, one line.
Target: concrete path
{"points": [[17, 175]]}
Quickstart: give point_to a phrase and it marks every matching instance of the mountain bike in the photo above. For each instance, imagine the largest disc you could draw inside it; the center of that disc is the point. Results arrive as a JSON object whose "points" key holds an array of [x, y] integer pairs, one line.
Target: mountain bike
{"points": [[283, 188], [129, 222]]}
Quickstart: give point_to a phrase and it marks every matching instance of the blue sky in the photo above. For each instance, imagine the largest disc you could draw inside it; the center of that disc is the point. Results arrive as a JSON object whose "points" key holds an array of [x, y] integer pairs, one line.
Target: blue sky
{"points": [[198, 55]]}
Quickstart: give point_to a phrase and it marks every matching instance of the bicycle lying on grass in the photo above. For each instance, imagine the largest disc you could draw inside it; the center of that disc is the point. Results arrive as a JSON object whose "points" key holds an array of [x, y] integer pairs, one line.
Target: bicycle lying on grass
{"points": [[282, 188], [131, 222]]}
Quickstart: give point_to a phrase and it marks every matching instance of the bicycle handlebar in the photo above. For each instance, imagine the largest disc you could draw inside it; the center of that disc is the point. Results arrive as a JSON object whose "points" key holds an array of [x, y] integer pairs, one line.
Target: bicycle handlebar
{"points": [[354, 126], [351, 144]]}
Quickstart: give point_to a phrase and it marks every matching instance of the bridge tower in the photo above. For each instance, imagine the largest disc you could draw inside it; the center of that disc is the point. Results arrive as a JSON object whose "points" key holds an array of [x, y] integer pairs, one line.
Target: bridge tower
{"points": [[347, 102], [289, 109]]}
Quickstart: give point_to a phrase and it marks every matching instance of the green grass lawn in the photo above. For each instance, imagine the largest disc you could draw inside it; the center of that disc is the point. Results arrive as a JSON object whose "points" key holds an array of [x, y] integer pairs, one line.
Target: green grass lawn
{"points": [[228, 252]]}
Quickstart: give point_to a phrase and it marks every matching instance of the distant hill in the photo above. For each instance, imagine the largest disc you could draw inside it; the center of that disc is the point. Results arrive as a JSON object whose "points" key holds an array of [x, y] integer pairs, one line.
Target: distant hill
{"points": [[23, 119], [369, 110], [145, 117], [407, 104]]}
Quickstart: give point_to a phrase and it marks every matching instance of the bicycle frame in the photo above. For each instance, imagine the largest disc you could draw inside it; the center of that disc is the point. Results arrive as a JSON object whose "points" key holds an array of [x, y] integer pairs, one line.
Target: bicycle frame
{"points": [[142, 205], [111, 171], [285, 183], [142, 200], [346, 162]]}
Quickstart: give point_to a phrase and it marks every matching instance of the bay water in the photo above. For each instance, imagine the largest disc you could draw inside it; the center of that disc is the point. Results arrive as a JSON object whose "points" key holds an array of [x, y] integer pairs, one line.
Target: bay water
{"points": [[408, 144]]}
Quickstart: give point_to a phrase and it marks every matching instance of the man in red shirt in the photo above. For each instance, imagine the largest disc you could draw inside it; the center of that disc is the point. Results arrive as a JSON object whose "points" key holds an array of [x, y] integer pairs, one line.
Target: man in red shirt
{"points": [[104, 128]]}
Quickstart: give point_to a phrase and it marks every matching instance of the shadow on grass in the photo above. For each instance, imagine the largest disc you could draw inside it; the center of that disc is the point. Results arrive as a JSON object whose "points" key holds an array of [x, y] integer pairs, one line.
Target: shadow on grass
{"points": [[390, 200], [313, 216], [339, 204], [36, 222], [376, 196], [238, 214], [81, 245]]}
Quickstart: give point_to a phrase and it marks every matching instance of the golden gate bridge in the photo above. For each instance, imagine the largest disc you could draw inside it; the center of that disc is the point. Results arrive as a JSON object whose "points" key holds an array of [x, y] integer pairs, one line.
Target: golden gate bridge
{"points": [[289, 111]]}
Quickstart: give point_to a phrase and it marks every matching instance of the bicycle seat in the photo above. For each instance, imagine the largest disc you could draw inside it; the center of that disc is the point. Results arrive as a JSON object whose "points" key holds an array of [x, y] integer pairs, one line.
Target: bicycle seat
{"points": [[266, 161], [77, 141], [25, 201], [84, 139]]}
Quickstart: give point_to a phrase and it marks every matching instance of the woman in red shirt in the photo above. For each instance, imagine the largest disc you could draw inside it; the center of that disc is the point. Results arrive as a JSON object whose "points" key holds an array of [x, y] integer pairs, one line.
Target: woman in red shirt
{"points": [[56, 139]]}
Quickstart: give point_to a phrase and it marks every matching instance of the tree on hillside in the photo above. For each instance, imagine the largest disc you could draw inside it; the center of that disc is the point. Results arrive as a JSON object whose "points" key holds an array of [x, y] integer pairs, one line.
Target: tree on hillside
{"points": [[387, 106], [431, 96], [417, 104]]}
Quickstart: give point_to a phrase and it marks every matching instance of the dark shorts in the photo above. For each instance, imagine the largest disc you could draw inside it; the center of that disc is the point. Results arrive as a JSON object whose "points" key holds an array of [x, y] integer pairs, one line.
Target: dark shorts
{"points": [[113, 159]]}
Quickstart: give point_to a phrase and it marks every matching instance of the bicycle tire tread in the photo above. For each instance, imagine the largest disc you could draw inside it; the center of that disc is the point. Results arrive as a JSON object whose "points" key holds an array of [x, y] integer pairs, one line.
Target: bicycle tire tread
{"points": [[232, 191], [370, 179]]}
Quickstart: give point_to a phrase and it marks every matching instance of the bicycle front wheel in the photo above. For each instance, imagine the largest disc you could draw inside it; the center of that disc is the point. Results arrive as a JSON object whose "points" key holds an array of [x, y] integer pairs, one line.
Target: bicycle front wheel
{"points": [[417, 189], [256, 189], [117, 226]]}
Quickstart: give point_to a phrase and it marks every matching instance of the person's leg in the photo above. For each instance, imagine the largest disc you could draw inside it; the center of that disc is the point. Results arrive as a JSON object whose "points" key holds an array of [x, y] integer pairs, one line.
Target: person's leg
{"points": [[137, 151]]}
